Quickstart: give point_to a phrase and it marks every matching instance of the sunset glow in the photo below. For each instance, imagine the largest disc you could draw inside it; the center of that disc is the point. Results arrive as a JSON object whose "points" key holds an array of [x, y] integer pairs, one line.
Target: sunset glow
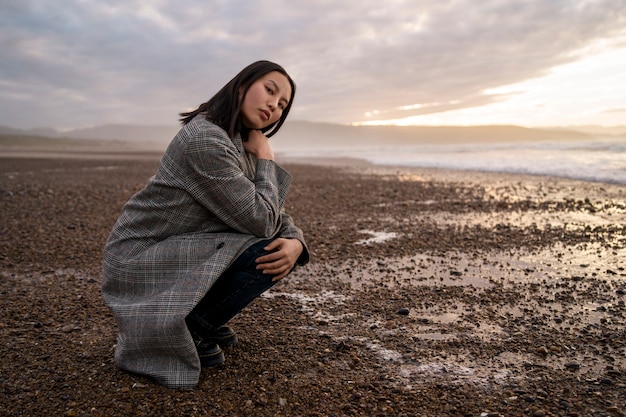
{"points": [[590, 91]]}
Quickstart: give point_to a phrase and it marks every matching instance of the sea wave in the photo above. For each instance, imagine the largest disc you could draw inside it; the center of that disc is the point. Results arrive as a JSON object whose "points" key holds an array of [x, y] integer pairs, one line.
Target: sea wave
{"points": [[602, 161]]}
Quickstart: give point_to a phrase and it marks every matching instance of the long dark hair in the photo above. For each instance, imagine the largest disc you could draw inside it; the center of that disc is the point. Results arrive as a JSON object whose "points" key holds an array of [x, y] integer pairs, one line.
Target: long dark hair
{"points": [[224, 108]]}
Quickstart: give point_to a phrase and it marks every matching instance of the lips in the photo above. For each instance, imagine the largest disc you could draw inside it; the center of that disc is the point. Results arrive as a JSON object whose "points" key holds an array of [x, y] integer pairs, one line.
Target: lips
{"points": [[265, 114]]}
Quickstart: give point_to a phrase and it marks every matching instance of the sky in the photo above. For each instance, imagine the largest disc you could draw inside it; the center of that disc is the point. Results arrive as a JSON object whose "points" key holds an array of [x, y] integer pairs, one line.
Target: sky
{"points": [[78, 63]]}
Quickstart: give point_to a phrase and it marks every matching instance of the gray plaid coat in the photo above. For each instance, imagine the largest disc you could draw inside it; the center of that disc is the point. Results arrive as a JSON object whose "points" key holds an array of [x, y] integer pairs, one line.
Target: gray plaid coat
{"points": [[207, 203]]}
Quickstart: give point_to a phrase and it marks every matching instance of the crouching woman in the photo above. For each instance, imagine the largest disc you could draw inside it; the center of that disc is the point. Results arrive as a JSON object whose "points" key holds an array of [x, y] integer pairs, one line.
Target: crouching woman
{"points": [[206, 235]]}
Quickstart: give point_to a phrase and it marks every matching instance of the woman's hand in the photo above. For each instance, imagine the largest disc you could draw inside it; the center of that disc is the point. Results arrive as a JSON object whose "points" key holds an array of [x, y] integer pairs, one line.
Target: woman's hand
{"points": [[282, 261], [258, 145]]}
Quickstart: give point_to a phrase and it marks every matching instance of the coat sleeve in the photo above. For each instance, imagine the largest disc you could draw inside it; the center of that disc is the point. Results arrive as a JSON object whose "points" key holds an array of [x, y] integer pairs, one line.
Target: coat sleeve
{"points": [[291, 231], [215, 179]]}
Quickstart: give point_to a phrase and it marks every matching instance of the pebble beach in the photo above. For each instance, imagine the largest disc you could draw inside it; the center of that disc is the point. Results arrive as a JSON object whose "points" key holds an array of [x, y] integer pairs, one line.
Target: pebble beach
{"points": [[429, 293]]}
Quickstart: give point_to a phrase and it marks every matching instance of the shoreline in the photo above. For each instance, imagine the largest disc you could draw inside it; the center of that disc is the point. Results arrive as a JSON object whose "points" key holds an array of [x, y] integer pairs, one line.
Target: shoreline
{"points": [[152, 151], [363, 165]]}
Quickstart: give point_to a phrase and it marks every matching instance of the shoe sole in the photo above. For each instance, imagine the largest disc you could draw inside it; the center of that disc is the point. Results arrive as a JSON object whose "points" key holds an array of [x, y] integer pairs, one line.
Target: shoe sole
{"points": [[224, 341], [210, 360]]}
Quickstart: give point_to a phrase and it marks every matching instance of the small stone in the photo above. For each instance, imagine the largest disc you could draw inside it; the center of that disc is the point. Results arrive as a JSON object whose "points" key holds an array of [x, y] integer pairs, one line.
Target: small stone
{"points": [[543, 350], [572, 366], [403, 311], [126, 407], [67, 328], [282, 402], [539, 413]]}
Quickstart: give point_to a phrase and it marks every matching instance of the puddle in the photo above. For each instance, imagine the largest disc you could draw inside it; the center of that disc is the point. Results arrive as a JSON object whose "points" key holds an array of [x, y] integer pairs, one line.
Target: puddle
{"points": [[484, 270], [541, 219], [461, 304]]}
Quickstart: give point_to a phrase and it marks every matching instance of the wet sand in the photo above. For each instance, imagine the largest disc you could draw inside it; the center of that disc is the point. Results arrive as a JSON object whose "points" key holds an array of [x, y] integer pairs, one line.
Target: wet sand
{"points": [[430, 293]]}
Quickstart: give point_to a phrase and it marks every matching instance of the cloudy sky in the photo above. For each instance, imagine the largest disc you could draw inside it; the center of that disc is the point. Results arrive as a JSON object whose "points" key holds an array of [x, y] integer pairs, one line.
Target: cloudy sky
{"points": [[78, 63]]}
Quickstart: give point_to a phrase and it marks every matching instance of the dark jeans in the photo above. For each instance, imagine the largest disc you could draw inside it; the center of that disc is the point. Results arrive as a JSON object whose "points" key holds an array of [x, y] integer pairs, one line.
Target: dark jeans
{"points": [[233, 291]]}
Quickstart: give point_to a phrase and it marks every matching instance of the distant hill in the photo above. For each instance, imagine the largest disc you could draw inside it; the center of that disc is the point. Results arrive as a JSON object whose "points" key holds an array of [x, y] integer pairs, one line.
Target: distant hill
{"points": [[126, 133], [600, 130], [310, 135], [5, 130], [120, 132]]}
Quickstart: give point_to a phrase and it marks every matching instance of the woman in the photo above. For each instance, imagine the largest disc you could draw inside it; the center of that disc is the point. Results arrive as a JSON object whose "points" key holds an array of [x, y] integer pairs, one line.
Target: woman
{"points": [[206, 235]]}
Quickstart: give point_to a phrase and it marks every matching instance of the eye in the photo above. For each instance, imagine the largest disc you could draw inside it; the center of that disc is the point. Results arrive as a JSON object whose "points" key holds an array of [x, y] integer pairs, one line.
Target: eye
{"points": [[269, 90]]}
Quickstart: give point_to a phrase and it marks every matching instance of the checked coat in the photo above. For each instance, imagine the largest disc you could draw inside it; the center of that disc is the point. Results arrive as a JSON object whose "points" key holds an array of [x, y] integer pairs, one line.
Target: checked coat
{"points": [[208, 201]]}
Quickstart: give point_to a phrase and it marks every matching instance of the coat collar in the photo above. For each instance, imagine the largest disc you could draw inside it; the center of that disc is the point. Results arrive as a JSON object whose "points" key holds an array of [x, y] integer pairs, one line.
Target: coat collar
{"points": [[246, 161]]}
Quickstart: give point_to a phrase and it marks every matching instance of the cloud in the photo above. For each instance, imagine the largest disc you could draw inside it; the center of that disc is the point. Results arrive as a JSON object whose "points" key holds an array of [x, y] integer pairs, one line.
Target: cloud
{"points": [[86, 62]]}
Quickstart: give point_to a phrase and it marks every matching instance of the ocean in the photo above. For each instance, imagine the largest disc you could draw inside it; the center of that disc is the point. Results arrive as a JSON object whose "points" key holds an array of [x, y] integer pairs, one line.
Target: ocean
{"points": [[598, 160]]}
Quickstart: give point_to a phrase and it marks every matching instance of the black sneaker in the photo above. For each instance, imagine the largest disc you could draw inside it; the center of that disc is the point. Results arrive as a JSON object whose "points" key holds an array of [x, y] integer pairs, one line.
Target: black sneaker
{"points": [[224, 336], [210, 354]]}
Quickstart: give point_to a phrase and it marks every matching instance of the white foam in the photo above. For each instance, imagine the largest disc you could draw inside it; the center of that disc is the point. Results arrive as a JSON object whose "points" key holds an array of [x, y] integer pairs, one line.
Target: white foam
{"points": [[377, 237]]}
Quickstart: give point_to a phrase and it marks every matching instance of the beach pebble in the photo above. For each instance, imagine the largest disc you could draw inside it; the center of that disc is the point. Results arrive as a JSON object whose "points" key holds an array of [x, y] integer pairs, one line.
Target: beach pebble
{"points": [[67, 328], [344, 328]]}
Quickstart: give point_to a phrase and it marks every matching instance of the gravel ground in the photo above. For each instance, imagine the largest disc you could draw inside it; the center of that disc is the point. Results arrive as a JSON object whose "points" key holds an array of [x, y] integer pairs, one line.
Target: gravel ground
{"points": [[430, 293]]}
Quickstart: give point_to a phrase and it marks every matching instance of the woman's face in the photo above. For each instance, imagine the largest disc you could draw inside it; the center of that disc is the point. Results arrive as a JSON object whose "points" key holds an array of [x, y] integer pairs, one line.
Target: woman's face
{"points": [[265, 100]]}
